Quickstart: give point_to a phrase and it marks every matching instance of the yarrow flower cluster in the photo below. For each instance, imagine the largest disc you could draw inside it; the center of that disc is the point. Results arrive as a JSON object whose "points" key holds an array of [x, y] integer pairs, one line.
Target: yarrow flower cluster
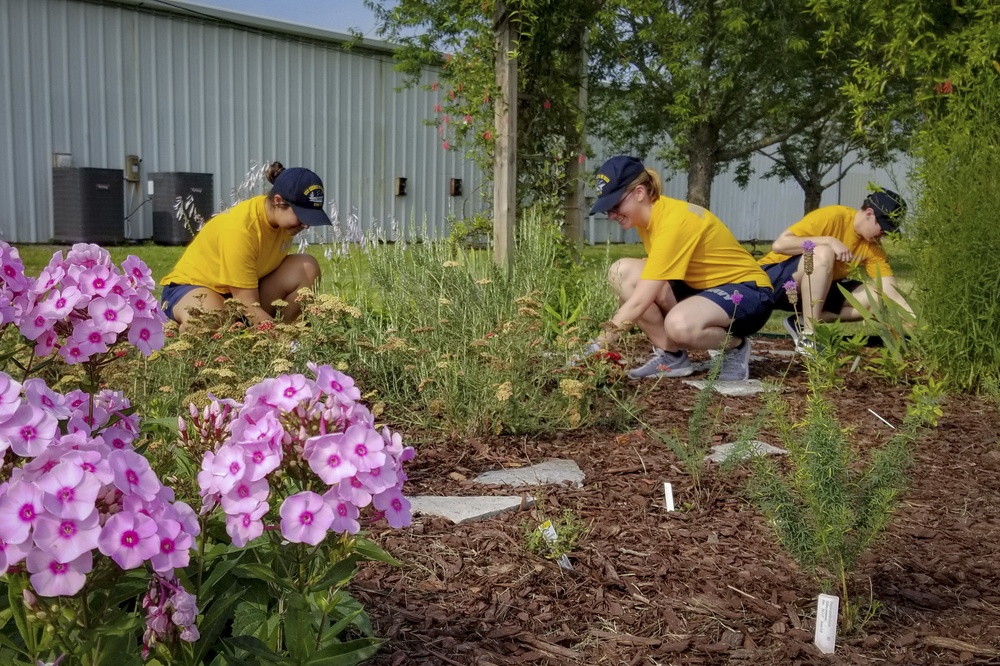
{"points": [[332, 461], [82, 304], [77, 485]]}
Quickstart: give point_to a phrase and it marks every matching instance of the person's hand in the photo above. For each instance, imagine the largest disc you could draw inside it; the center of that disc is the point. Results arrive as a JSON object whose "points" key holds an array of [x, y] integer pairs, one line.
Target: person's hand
{"points": [[840, 251]]}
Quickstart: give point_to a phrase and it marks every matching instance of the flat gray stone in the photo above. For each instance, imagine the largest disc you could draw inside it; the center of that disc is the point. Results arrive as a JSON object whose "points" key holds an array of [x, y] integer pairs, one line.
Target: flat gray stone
{"points": [[783, 352], [740, 389], [558, 470], [712, 353], [461, 510], [722, 451]]}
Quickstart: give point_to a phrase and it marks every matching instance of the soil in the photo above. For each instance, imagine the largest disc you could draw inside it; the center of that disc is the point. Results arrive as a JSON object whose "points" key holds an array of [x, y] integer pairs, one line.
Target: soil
{"points": [[708, 583]]}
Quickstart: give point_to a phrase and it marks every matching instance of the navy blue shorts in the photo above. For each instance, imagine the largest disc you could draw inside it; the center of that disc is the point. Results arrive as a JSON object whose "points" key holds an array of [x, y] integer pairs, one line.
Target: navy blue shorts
{"points": [[782, 272], [748, 317], [175, 292]]}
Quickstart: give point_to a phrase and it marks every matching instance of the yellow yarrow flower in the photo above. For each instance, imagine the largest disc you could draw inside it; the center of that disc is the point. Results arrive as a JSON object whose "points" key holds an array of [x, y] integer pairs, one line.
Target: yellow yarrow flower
{"points": [[505, 391]]}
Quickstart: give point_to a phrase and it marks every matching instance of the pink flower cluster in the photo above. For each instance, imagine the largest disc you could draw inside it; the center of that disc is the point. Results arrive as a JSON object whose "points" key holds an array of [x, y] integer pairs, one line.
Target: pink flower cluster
{"points": [[84, 300], [170, 614], [332, 461], [76, 485]]}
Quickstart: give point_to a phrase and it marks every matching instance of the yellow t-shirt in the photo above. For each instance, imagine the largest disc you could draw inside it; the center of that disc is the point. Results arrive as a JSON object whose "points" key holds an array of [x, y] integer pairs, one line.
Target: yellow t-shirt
{"points": [[686, 242], [838, 222], [236, 248]]}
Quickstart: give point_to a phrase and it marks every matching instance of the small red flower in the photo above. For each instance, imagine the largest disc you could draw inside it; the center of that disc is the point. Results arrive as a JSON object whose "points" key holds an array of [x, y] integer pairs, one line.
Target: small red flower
{"points": [[216, 336], [434, 86], [944, 88], [446, 145], [265, 326], [120, 352], [488, 135], [170, 334], [486, 99], [546, 104], [437, 108], [581, 158], [489, 335], [451, 95], [221, 359], [467, 119], [199, 363]]}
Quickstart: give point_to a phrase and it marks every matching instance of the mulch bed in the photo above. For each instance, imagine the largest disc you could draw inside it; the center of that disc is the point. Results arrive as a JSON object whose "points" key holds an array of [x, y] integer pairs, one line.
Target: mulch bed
{"points": [[706, 584]]}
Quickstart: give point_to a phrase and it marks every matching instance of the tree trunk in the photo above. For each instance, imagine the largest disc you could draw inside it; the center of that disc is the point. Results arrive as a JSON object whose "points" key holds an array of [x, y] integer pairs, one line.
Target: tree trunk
{"points": [[505, 148], [575, 171], [814, 194], [701, 165]]}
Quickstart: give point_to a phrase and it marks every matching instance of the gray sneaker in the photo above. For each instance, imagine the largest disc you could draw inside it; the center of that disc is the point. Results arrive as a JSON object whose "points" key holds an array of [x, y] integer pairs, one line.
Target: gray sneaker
{"points": [[791, 323], [663, 364], [736, 363]]}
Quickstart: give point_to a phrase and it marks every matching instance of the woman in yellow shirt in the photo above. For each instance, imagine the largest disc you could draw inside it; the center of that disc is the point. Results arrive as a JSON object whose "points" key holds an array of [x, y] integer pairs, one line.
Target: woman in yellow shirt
{"points": [[697, 285], [242, 253]]}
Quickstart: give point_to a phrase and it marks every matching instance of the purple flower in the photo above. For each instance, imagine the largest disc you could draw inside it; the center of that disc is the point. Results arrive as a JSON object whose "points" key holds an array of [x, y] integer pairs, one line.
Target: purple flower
{"points": [[808, 246], [227, 468], [395, 506], [305, 518], [129, 538], [35, 323], [791, 287], [68, 491], [20, 506], [245, 496], [328, 458], [132, 474], [737, 297], [261, 459], [378, 479], [96, 282], [46, 343], [146, 334], [29, 431], [337, 384], [110, 313], [354, 492], [138, 272], [51, 578], [345, 514], [67, 539], [244, 528], [41, 396], [10, 399], [11, 554], [363, 448], [175, 547]]}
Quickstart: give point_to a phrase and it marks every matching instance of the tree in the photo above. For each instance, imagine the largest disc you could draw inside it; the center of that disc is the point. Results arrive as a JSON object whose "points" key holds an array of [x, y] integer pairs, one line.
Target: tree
{"points": [[705, 82]]}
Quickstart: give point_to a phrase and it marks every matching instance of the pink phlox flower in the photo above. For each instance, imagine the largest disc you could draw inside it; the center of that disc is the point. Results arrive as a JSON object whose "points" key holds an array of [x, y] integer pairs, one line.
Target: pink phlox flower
{"points": [[791, 287], [89, 338], [12, 268], [96, 282], [67, 538], [129, 539], [245, 495], [363, 447], [146, 334], [88, 255], [49, 278], [244, 528], [395, 507], [118, 438], [73, 354], [81, 420], [354, 491], [258, 424], [360, 415], [20, 506], [138, 273], [185, 610], [228, 468], [808, 246], [92, 462], [261, 458], [77, 399], [110, 313], [51, 578], [132, 474], [337, 384], [12, 553], [328, 457], [29, 431], [68, 491], [285, 392], [10, 398], [305, 518], [46, 344], [378, 479], [36, 323], [345, 514], [175, 547], [185, 515], [61, 303], [207, 481], [37, 393]]}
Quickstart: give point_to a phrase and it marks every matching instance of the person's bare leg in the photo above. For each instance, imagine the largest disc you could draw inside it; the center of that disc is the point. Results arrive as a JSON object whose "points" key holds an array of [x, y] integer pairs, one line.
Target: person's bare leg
{"points": [[624, 275], [297, 271], [700, 323], [202, 299], [814, 287]]}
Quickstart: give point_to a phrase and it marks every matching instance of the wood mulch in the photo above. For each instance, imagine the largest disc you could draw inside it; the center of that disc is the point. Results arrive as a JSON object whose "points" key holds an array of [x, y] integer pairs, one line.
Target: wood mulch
{"points": [[706, 584]]}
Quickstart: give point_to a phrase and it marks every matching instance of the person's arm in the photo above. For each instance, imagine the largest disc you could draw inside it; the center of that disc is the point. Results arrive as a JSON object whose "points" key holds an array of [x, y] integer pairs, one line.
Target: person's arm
{"points": [[251, 299], [791, 245], [631, 310], [890, 289]]}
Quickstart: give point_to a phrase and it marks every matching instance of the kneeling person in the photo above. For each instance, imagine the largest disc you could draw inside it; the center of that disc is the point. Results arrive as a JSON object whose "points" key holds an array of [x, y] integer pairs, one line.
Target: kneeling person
{"points": [[697, 285]]}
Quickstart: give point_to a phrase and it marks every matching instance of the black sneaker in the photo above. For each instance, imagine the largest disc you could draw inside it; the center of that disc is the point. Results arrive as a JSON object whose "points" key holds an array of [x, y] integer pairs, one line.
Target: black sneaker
{"points": [[791, 323]]}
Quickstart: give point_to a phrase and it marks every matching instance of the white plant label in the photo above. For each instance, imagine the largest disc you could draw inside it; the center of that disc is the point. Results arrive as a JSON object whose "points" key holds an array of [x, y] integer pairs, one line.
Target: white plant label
{"points": [[668, 496], [549, 534], [827, 607]]}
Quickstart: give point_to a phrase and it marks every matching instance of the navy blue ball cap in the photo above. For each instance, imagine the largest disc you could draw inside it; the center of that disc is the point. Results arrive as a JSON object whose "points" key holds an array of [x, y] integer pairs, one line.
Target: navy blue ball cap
{"points": [[889, 209], [613, 180], [303, 191]]}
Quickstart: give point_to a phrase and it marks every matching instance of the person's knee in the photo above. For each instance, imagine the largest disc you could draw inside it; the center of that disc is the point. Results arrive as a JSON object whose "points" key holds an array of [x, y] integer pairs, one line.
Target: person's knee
{"points": [[621, 278], [681, 330], [824, 257], [310, 269]]}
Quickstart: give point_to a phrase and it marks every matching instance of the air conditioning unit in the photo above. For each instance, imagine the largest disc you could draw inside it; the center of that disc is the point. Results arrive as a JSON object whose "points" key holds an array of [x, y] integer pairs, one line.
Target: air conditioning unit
{"points": [[88, 205], [195, 192]]}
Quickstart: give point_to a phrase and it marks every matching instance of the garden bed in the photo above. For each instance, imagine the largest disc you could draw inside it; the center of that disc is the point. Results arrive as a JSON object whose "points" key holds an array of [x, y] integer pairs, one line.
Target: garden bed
{"points": [[707, 584]]}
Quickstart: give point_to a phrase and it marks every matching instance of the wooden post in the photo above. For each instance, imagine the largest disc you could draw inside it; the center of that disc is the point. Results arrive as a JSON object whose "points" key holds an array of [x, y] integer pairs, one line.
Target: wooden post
{"points": [[575, 170], [505, 146]]}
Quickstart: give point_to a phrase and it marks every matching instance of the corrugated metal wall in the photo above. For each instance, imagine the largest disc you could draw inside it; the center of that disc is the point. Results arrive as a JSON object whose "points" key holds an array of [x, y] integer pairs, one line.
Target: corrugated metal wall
{"points": [[194, 94], [186, 94]]}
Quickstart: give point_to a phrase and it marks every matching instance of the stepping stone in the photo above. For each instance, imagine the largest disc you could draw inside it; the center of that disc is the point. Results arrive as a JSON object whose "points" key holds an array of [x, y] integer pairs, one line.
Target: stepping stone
{"points": [[460, 510], [712, 353], [558, 470], [722, 451], [788, 353], [739, 389]]}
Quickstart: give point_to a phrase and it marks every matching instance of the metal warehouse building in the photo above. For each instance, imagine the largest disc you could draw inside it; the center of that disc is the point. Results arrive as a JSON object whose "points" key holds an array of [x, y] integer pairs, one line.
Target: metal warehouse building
{"points": [[142, 87]]}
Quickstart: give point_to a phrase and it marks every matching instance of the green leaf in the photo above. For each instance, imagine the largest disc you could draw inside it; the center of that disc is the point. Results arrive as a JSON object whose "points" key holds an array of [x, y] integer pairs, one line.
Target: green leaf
{"points": [[372, 551], [254, 646], [217, 616], [339, 574], [345, 654], [262, 572], [15, 587], [299, 636]]}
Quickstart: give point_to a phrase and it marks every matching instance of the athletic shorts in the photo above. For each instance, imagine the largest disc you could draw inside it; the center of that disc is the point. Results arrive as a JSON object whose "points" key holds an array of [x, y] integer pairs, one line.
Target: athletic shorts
{"points": [[782, 272], [749, 316], [175, 292]]}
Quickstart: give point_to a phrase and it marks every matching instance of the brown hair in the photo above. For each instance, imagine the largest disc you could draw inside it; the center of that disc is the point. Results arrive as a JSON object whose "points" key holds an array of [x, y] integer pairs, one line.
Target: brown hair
{"points": [[273, 171], [651, 180]]}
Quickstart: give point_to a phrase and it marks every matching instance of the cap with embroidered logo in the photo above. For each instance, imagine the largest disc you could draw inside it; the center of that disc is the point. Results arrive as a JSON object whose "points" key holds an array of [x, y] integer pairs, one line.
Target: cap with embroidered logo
{"points": [[613, 179], [303, 191]]}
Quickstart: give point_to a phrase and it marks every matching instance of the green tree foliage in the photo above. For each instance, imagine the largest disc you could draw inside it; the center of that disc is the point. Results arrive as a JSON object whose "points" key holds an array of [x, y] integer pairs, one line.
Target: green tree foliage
{"points": [[458, 36], [706, 82]]}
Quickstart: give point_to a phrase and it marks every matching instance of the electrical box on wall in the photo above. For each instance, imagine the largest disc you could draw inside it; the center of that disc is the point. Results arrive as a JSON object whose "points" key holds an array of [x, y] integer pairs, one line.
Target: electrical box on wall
{"points": [[132, 168]]}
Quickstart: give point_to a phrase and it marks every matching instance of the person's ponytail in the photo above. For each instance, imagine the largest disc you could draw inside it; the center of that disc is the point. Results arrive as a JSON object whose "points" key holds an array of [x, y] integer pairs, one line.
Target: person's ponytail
{"points": [[273, 171]]}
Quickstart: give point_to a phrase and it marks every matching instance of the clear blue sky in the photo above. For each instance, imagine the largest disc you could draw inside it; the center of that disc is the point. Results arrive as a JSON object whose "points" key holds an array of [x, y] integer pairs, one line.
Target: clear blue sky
{"points": [[339, 15]]}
